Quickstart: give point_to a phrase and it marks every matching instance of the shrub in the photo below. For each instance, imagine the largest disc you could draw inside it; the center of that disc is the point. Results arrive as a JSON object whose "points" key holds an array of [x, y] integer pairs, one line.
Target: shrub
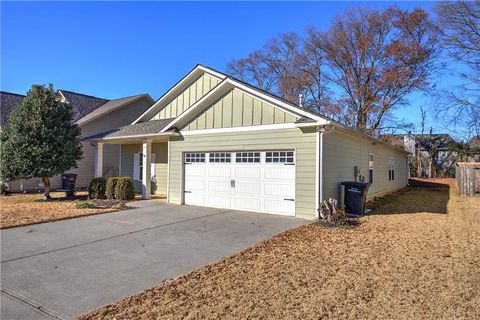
{"points": [[96, 190], [85, 205], [111, 184], [124, 190], [334, 216], [3, 189]]}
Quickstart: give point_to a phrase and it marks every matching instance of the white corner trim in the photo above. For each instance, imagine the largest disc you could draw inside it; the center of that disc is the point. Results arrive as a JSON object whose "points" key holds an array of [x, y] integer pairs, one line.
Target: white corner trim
{"points": [[317, 173], [239, 129], [186, 79]]}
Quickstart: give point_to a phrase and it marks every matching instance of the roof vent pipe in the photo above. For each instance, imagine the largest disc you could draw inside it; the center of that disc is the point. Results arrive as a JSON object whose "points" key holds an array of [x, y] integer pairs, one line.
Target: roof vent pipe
{"points": [[300, 100]]}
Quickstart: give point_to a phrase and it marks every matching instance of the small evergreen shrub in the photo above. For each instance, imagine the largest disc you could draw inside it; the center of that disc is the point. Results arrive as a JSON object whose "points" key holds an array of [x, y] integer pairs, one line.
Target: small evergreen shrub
{"points": [[124, 190], [111, 184], [96, 190], [85, 205]]}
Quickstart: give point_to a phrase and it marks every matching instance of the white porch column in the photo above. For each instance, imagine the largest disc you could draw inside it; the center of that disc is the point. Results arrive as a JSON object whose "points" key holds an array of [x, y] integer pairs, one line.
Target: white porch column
{"points": [[99, 162], [146, 169]]}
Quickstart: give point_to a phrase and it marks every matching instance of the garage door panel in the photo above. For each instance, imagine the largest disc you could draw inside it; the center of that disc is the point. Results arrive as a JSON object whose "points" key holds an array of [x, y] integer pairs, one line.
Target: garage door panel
{"points": [[219, 186], [248, 187], [248, 172], [195, 170], [248, 203], [219, 171], [280, 189], [280, 172], [196, 199], [280, 207], [219, 201], [191, 185]]}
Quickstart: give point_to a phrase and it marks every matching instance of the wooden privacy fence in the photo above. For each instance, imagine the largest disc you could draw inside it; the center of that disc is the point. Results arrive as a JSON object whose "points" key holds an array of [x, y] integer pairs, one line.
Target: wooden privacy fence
{"points": [[468, 178]]}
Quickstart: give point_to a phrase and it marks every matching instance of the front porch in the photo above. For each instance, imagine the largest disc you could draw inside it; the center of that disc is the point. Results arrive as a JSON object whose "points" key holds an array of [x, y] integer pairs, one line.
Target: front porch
{"points": [[145, 161]]}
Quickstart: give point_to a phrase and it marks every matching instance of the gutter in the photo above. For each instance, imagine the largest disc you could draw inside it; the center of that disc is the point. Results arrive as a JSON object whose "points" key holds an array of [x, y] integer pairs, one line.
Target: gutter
{"points": [[139, 136]]}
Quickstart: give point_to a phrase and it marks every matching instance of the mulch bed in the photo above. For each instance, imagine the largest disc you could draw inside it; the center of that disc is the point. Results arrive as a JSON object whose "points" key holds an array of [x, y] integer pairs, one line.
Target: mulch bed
{"points": [[405, 261], [24, 209]]}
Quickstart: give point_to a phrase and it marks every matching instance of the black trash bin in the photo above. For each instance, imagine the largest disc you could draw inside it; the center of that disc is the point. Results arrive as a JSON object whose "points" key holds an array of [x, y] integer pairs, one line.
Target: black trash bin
{"points": [[355, 197], [68, 183]]}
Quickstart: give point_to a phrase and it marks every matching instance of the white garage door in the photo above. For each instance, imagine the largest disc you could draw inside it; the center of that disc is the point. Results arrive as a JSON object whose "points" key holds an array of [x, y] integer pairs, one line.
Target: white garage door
{"points": [[261, 181]]}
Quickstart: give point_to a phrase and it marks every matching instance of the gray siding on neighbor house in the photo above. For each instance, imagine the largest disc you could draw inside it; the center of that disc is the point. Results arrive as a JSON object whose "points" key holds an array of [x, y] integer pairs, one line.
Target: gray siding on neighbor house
{"points": [[187, 97], [343, 151], [161, 165], [303, 142], [111, 153], [237, 109]]}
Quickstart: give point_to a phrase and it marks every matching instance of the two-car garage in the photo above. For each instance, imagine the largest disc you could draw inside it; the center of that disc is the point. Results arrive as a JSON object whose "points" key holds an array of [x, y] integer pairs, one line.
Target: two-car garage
{"points": [[260, 181]]}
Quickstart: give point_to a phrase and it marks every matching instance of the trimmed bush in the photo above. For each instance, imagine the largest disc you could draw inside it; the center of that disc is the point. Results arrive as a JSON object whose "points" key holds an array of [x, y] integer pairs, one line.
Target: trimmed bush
{"points": [[124, 190], [85, 205], [96, 189], [111, 184]]}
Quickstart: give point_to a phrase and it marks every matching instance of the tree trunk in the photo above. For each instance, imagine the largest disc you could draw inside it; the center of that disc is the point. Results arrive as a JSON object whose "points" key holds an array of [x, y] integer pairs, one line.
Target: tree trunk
{"points": [[419, 163], [46, 192]]}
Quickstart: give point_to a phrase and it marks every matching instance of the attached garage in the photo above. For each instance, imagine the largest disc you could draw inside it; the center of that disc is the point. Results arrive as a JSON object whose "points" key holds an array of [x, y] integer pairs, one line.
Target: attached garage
{"points": [[259, 181]]}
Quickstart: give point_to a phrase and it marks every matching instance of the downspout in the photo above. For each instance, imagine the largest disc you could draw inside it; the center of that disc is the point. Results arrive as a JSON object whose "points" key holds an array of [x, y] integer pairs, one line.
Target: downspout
{"points": [[319, 166]]}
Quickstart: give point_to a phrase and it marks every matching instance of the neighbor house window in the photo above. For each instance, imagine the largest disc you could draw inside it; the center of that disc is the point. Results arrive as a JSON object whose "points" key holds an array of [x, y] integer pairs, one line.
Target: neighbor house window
{"points": [[391, 169], [370, 168]]}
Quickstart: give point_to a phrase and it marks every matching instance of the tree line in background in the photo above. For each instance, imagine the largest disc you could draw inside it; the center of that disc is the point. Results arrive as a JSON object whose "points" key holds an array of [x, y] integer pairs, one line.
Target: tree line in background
{"points": [[369, 61]]}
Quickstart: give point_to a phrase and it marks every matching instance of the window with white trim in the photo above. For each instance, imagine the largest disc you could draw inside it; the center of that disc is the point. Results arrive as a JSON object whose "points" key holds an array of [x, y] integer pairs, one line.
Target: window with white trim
{"points": [[391, 169], [279, 157], [220, 157], [247, 157], [194, 157]]}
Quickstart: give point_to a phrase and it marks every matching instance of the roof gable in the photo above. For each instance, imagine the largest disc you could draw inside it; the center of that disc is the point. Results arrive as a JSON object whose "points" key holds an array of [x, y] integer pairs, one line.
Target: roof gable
{"points": [[178, 97], [82, 104]]}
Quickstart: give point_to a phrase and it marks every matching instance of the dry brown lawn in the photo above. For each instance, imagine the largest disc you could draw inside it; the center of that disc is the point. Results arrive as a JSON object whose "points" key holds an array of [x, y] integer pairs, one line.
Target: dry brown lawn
{"points": [[24, 209], [416, 257]]}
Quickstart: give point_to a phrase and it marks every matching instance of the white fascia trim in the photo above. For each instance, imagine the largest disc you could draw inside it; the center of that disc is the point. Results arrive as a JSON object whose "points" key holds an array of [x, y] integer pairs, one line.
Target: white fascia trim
{"points": [[189, 77], [317, 174], [239, 129], [277, 101]]}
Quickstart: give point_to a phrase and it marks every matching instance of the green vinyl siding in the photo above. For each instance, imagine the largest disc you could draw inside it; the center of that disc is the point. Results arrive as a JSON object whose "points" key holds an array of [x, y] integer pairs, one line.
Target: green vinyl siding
{"points": [[237, 109], [303, 142], [343, 151], [186, 98], [161, 165]]}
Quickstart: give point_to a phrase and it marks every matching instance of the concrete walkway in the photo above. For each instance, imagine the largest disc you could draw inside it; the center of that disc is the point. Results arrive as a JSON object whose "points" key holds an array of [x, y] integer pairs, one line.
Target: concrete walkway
{"points": [[62, 269]]}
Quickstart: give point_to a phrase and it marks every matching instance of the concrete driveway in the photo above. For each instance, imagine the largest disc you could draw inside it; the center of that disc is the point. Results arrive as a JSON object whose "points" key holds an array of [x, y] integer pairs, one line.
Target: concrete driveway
{"points": [[62, 269]]}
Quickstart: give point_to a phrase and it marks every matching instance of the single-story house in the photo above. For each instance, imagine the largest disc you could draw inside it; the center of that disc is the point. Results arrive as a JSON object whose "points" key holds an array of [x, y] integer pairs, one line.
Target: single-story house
{"points": [[212, 140], [93, 115]]}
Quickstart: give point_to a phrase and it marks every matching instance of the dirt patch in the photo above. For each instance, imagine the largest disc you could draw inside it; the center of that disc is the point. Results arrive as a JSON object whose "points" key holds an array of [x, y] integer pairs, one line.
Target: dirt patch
{"points": [[25, 209], [422, 265]]}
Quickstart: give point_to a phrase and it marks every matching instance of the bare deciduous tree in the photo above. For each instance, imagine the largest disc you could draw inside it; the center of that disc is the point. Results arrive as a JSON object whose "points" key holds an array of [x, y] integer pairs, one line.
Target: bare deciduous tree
{"points": [[459, 22]]}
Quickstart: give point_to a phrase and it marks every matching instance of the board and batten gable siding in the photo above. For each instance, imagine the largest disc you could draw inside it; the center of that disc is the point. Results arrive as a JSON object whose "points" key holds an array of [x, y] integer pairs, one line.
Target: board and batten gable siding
{"points": [[161, 165], [303, 142], [342, 152], [237, 109], [187, 97]]}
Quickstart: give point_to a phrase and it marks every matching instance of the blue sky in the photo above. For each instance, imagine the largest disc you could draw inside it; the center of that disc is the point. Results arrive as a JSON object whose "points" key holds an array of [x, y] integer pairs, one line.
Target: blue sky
{"points": [[114, 49]]}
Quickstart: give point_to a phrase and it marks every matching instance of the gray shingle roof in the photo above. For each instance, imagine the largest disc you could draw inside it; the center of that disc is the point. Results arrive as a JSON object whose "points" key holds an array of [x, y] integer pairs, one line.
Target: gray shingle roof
{"points": [[109, 106], [7, 102], [82, 104], [138, 129]]}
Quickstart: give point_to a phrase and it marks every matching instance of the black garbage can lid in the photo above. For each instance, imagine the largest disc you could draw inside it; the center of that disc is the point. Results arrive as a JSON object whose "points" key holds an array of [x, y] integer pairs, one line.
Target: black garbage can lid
{"points": [[355, 183]]}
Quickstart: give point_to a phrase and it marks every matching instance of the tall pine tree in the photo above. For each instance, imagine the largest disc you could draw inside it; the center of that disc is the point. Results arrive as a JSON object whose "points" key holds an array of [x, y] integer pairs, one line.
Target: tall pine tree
{"points": [[40, 138]]}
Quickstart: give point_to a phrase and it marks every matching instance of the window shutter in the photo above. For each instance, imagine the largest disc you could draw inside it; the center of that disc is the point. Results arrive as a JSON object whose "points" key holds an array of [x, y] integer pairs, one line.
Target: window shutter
{"points": [[136, 166], [152, 166]]}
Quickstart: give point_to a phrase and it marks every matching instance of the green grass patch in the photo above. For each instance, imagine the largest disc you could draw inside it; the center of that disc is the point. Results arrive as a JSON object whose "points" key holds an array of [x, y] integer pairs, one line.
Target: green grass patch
{"points": [[85, 205]]}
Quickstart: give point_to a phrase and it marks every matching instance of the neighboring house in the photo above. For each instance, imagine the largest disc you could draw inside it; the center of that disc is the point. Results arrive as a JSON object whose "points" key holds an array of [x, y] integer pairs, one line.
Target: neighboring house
{"points": [[93, 115], [214, 141], [434, 147], [473, 153]]}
